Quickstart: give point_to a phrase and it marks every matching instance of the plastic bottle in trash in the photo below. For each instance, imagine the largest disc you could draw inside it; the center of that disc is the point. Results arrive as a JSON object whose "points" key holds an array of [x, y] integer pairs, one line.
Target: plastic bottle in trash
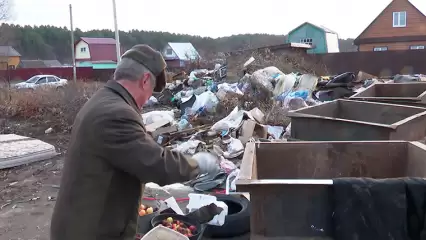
{"points": [[182, 124], [189, 113]]}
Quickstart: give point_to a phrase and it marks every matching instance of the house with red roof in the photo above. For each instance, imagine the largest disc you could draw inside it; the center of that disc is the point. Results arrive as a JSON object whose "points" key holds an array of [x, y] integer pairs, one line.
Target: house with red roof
{"points": [[99, 53]]}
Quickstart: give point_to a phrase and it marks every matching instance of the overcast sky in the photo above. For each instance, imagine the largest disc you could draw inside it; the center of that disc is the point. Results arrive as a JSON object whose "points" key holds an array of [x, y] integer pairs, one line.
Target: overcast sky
{"points": [[206, 18]]}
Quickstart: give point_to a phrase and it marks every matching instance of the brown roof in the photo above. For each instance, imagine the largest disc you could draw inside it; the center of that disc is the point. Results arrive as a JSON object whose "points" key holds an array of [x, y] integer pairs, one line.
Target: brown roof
{"points": [[357, 39], [52, 63], [8, 51], [91, 41], [32, 64], [39, 64]]}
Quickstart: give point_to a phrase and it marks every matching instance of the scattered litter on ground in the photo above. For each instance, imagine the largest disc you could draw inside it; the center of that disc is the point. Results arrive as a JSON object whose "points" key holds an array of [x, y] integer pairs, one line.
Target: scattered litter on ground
{"points": [[213, 116]]}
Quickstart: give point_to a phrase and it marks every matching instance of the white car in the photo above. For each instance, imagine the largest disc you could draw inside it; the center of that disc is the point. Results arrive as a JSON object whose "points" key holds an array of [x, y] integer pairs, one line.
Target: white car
{"points": [[42, 81]]}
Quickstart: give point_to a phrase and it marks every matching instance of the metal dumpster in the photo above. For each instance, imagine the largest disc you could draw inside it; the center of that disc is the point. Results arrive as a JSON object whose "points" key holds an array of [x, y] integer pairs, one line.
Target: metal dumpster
{"points": [[290, 183], [398, 93], [347, 120]]}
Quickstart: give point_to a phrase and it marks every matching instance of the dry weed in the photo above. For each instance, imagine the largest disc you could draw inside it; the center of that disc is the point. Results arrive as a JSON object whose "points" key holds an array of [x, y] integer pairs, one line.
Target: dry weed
{"points": [[256, 96], [58, 106], [287, 62]]}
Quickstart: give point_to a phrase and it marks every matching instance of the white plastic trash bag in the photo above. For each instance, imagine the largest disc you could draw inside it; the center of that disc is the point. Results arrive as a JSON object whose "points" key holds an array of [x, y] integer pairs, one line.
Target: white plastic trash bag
{"points": [[234, 149], [197, 201], [154, 116], [189, 147], [229, 88], [287, 132], [285, 83], [206, 99], [151, 101], [233, 120], [267, 76], [261, 79]]}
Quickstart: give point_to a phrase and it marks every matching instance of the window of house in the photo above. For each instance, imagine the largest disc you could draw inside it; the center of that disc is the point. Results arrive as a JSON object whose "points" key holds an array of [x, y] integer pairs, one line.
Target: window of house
{"points": [[83, 49], [169, 51], [306, 41], [399, 19], [380, 49], [417, 47]]}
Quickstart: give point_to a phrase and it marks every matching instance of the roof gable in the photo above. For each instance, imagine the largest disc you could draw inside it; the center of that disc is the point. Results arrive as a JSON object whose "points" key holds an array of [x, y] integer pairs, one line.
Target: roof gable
{"points": [[184, 51], [52, 63], [32, 64], [103, 52], [393, 6], [322, 28], [106, 41], [8, 51]]}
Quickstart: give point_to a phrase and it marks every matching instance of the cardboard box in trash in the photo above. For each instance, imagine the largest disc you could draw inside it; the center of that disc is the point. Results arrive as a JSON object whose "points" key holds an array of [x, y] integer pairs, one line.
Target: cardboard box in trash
{"points": [[251, 128]]}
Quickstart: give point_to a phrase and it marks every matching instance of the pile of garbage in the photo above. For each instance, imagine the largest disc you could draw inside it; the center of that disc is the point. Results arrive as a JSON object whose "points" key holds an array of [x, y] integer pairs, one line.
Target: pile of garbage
{"points": [[210, 115]]}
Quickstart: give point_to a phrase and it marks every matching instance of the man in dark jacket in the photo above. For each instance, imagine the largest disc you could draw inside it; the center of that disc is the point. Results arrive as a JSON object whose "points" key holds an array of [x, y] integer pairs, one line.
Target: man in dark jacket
{"points": [[110, 155]]}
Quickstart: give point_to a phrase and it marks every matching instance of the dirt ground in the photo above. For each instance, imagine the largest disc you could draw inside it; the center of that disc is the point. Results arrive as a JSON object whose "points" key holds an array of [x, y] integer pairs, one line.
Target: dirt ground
{"points": [[27, 193], [27, 198]]}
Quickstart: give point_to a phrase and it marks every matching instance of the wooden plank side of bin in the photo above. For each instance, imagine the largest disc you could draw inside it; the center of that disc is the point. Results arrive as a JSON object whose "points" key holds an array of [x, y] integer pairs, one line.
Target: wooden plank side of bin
{"points": [[249, 168]]}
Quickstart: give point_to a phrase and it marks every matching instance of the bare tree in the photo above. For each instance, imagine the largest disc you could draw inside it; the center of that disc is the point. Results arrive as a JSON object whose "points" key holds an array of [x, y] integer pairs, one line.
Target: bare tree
{"points": [[5, 9], [6, 33]]}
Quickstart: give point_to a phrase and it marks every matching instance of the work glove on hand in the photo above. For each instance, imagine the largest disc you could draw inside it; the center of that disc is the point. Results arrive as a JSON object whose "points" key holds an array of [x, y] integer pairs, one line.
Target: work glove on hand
{"points": [[207, 162]]}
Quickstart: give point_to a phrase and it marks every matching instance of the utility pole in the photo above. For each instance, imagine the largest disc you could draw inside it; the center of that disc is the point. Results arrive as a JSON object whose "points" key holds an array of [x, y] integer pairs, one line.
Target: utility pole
{"points": [[117, 35], [74, 69]]}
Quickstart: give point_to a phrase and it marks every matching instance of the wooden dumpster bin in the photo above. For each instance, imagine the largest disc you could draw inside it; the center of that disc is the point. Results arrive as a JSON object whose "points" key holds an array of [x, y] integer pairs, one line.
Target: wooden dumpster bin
{"points": [[398, 93], [290, 184], [347, 120]]}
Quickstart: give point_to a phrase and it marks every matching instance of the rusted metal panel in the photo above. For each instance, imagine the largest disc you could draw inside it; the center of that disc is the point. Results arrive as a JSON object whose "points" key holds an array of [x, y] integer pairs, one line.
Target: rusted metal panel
{"points": [[398, 93], [290, 183], [381, 64], [347, 120]]}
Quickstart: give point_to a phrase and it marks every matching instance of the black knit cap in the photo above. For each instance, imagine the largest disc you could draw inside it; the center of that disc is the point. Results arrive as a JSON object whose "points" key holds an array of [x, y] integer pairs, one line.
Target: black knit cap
{"points": [[152, 60]]}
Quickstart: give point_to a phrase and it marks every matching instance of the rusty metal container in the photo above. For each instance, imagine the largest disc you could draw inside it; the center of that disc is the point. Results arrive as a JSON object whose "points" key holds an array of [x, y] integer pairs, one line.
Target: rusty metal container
{"points": [[398, 93], [347, 120], [290, 184]]}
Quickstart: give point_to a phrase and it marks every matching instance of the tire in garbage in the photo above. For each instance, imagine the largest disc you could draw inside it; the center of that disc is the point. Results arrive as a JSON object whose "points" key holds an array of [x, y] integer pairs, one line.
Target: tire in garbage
{"points": [[237, 222]]}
